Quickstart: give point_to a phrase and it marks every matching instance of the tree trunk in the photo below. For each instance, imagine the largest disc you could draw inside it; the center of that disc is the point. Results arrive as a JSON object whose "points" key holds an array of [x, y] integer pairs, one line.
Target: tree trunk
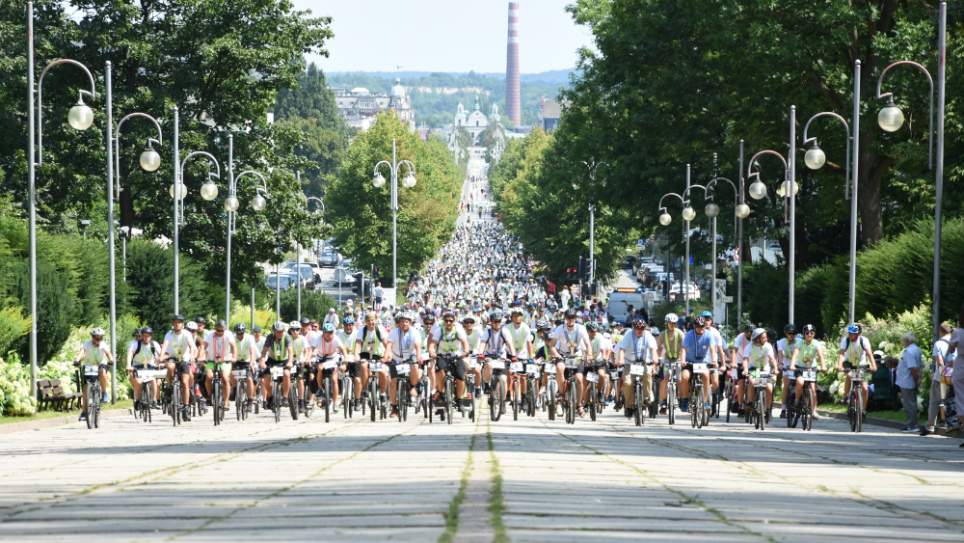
{"points": [[872, 170]]}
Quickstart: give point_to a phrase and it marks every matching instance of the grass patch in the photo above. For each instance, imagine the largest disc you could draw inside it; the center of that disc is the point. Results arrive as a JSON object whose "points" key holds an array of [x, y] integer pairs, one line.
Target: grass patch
{"points": [[496, 505], [452, 516], [44, 415], [886, 414]]}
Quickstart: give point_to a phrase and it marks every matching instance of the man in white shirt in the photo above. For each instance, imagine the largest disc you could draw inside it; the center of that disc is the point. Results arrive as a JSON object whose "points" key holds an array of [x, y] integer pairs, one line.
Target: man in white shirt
{"points": [[222, 351], [404, 347], [570, 340], [788, 348], [95, 352], [855, 349], [247, 358], [142, 354], [178, 348], [908, 379], [637, 347]]}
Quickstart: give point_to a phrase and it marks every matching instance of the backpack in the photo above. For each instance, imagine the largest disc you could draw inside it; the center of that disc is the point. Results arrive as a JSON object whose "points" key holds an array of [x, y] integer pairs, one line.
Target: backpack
{"points": [[152, 344]]}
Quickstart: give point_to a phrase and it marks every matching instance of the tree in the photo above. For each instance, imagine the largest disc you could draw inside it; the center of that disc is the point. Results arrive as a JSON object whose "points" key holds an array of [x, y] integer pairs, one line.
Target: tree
{"points": [[361, 215]]}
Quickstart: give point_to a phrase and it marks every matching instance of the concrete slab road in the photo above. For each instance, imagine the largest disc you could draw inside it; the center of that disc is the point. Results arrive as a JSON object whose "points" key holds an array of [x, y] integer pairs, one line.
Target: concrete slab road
{"points": [[524, 480]]}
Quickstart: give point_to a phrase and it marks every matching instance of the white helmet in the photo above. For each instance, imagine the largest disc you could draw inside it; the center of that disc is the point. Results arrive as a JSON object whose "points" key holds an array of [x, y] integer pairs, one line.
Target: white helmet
{"points": [[672, 317], [191, 325]]}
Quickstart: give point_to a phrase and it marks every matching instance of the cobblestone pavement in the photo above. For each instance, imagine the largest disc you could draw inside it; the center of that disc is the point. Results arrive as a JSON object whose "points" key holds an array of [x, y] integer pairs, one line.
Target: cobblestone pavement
{"points": [[525, 480]]}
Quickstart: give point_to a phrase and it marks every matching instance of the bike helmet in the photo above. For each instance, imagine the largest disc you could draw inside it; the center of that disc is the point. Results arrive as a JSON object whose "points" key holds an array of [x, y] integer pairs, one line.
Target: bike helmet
{"points": [[191, 325], [348, 320], [570, 314], [699, 322], [469, 318], [278, 326], [201, 320], [517, 310], [495, 315], [543, 325], [671, 317], [240, 327], [853, 328], [328, 327], [221, 324], [429, 317], [789, 329], [97, 332], [592, 327], [294, 325], [177, 317], [707, 314], [448, 315], [809, 329], [757, 332], [147, 330], [256, 329], [305, 322]]}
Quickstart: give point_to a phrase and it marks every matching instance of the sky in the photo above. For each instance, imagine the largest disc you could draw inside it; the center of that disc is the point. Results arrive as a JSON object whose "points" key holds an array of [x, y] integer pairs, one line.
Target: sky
{"points": [[446, 35]]}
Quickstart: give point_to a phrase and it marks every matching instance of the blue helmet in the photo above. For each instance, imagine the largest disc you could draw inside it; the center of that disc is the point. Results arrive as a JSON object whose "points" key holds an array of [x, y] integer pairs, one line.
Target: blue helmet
{"points": [[328, 327], [853, 328], [348, 320]]}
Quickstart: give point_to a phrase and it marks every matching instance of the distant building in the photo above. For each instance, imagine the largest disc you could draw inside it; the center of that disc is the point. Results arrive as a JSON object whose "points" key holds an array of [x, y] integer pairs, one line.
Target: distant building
{"points": [[359, 106], [549, 113], [481, 130]]}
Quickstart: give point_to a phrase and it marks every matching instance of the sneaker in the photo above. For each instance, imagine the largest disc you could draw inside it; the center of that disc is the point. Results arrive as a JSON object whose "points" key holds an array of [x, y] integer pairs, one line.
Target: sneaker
{"points": [[394, 411], [783, 413], [334, 407], [684, 405], [186, 415], [662, 408], [629, 412], [82, 417], [441, 414], [105, 398], [925, 431], [910, 430]]}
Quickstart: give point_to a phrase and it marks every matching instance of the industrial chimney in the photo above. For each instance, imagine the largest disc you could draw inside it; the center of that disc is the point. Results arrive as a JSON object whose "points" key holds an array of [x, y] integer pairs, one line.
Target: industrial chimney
{"points": [[513, 92]]}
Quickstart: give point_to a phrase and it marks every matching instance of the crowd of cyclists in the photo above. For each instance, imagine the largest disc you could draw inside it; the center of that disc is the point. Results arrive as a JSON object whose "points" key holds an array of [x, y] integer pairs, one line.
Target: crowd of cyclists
{"points": [[477, 324]]}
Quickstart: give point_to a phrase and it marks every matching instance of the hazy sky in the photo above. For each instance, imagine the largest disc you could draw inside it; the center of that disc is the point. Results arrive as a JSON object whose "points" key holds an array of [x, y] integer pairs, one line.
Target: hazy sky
{"points": [[446, 35]]}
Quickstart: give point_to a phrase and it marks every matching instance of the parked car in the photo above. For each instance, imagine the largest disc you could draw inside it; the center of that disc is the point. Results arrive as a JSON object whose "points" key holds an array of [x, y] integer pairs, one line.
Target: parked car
{"points": [[284, 279], [328, 257], [307, 272]]}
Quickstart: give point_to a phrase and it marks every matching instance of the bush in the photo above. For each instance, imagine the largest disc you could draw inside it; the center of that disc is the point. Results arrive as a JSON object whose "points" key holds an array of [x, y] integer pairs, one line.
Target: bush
{"points": [[150, 281], [55, 307], [314, 304], [18, 399], [241, 313], [13, 326]]}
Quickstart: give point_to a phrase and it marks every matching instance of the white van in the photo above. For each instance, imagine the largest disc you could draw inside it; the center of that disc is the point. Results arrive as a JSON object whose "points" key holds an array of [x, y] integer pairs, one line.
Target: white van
{"points": [[619, 301]]}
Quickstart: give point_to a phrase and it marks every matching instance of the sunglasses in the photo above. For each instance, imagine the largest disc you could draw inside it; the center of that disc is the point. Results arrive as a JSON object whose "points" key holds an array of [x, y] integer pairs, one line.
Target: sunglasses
{"points": [[448, 320]]}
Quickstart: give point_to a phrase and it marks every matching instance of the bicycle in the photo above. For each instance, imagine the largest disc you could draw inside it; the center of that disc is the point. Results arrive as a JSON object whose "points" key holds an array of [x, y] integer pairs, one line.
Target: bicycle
{"points": [[470, 386], [277, 380], [534, 373], [496, 389], [348, 391], [805, 412], [375, 403], [90, 376], [636, 373], [328, 365], [240, 393], [592, 381], [403, 388], [552, 389], [217, 404], [729, 392], [761, 413], [448, 396], [305, 376], [146, 377], [698, 415], [855, 401], [515, 394], [572, 393], [173, 403], [673, 368]]}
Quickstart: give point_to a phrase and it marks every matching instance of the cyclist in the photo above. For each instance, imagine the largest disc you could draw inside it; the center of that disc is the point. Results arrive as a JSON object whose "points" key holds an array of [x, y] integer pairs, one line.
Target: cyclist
{"points": [[143, 354], [223, 351], [356, 368], [855, 350], [449, 339], [404, 347], [540, 347], [740, 344], [301, 355], [637, 347], [698, 348], [178, 350], [719, 348], [246, 360], [474, 336], [94, 352], [520, 339], [259, 339], [602, 350], [570, 340], [670, 350], [810, 354], [787, 351], [370, 344], [494, 344], [330, 347], [276, 352], [757, 355]]}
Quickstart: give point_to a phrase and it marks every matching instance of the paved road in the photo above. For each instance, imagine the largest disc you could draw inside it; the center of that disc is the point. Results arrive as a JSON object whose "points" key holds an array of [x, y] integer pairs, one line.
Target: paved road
{"points": [[529, 480]]}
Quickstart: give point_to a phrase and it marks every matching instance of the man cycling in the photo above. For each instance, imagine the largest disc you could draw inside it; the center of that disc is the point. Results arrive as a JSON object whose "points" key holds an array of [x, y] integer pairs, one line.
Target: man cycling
{"points": [[246, 360], [697, 349], [356, 368], [301, 355], [221, 351], [719, 348], [636, 347], [276, 352], [94, 352], [495, 344], [670, 350], [809, 356], [474, 336], [371, 343], [404, 347], [855, 351], [143, 355], [787, 349], [178, 350], [449, 339], [758, 356], [570, 340], [601, 351], [520, 338]]}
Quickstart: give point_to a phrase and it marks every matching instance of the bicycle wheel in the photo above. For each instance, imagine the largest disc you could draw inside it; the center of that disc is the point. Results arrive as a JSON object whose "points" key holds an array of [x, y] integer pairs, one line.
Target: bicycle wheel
{"points": [[515, 400], [473, 404], [699, 412], [551, 386], [860, 410], [448, 400], [806, 410], [276, 401], [762, 407], [671, 402], [638, 403], [216, 401], [328, 383], [372, 397], [239, 400], [176, 403], [573, 399], [92, 393], [592, 402], [495, 399], [346, 396], [293, 400], [401, 390]]}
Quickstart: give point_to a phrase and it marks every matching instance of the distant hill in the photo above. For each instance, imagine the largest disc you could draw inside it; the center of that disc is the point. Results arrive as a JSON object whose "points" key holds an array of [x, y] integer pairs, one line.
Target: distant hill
{"points": [[436, 109]]}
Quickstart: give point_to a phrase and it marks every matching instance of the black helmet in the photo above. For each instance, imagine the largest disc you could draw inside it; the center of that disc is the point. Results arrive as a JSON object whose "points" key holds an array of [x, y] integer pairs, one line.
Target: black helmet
{"points": [[177, 317], [809, 328], [147, 330], [570, 313], [221, 324], [305, 322], [240, 327], [428, 317], [592, 327], [699, 322], [495, 315], [256, 329], [790, 329], [201, 320]]}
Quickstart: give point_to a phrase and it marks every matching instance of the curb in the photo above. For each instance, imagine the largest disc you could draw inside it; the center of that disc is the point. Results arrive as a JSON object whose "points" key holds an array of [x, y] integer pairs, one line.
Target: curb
{"points": [[52, 422], [953, 434]]}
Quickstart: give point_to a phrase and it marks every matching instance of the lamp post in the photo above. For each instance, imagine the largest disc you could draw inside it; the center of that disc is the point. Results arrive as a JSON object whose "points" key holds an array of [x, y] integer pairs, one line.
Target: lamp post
{"points": [[231, 205], [209, 191], [815, 158], [378, 181], [788, 190], [665, 219], [80, 117], [690, 212], [740, 212], [149, 161], [591, 167], [891, 118], [321, 205]]}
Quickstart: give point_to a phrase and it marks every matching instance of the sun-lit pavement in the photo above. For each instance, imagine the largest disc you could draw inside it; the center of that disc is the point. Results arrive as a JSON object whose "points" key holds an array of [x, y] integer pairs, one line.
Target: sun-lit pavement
{"points": [[363, 481]]}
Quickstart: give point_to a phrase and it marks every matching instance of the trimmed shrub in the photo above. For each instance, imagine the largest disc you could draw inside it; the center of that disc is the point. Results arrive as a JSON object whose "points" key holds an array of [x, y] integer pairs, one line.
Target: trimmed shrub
{"points": [[150, 281], [314, 305], [13, 326]]}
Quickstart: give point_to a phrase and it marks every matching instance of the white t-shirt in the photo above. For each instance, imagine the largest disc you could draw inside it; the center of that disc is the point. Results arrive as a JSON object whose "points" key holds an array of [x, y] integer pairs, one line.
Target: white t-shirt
{"points": [[599, 344], [449, 342], [854, 351], [314, 338], [493, 343], [716, 338], [147, 354], [570, 342], [785, 350], [637, 349], [759, 355], [403, 343], [95, 355], [245, 346], [740, 342], [219, 348], [180, 346]]}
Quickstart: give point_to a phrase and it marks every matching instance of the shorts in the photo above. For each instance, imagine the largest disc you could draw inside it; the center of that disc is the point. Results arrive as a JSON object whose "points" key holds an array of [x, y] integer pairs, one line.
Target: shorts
{"points": [[455, 367], [270, 363], [209, 365], [392, 370], [354, 368]]}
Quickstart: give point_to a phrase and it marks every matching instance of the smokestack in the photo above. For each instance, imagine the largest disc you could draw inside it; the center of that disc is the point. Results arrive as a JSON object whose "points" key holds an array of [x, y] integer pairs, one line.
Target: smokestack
{"points": [[513, 92]]}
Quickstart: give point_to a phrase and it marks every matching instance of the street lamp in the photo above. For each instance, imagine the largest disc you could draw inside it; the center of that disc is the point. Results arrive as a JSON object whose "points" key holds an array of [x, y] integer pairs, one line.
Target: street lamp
{"points": [[231, 206], [665, 219], [378, 181], [591, 167], [209, 191], [815, 158], [788, 190], [891, 118], [79, 117], [149, 161], [712, 210], [321, 205]]}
